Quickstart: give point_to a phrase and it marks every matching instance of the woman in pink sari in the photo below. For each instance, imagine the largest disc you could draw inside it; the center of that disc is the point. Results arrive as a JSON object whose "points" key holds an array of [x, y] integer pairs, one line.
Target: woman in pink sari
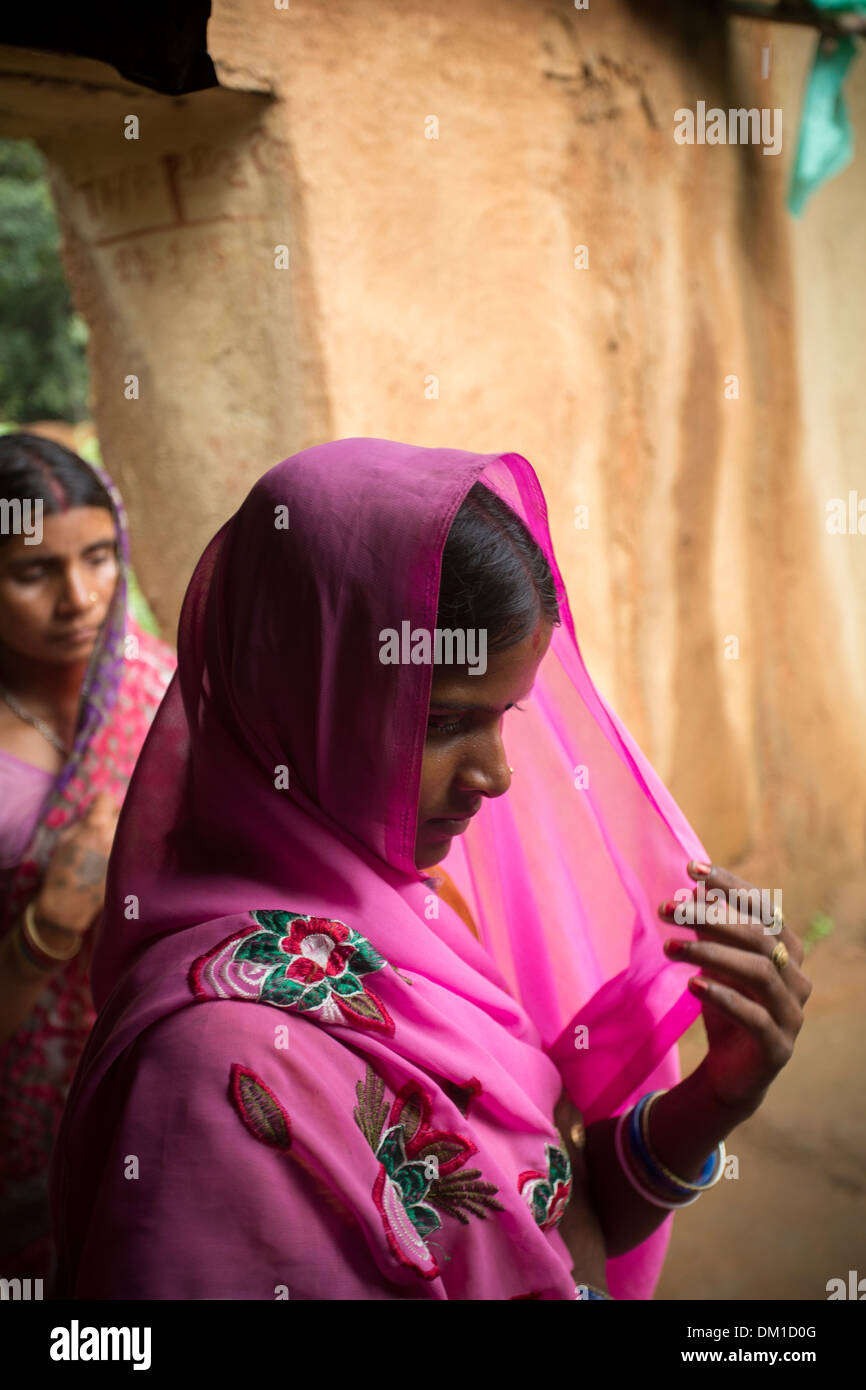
{"points": [[323, 1068], [79, 683]]}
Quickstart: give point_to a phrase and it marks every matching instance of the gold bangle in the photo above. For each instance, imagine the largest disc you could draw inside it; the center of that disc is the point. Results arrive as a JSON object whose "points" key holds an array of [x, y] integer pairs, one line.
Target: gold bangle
{"points": [[33, 932], [681, 1182]]}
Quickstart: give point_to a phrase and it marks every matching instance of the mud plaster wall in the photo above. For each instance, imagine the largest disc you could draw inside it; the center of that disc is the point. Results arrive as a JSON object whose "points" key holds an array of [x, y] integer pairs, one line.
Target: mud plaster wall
{"points": [[453, 258]]}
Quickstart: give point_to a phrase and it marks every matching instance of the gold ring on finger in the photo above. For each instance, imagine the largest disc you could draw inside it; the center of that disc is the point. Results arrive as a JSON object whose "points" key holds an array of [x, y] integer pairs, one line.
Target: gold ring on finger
{"points": [[780, 956]]}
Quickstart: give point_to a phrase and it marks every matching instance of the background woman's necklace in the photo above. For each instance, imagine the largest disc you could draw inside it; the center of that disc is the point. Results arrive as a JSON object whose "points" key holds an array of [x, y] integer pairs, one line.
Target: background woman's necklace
{"points": [[39, 724]]}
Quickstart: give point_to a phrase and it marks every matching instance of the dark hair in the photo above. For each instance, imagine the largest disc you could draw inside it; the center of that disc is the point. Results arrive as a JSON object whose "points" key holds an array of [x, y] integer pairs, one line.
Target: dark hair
{"points": [[494, 575], [33, 467]]}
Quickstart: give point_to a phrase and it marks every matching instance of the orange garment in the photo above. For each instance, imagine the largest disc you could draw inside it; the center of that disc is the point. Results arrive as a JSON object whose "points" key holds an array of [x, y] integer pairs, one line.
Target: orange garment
{"points": [[449, 894]]}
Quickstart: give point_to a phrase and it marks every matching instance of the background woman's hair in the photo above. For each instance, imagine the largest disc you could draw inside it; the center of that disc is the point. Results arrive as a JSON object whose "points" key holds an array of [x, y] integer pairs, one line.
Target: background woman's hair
{"points": [[32, 467], [494, 575]]}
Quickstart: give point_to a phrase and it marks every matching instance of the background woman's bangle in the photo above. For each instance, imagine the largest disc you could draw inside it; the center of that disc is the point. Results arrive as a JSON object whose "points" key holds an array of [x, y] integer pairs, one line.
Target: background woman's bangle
{"points": [[584, 1292], [30, 935], [27, 953]]}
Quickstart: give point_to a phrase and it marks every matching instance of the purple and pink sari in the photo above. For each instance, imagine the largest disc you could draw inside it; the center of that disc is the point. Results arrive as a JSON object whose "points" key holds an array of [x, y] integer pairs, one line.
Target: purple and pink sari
{"points": [[308, 1079], [126, 678]]}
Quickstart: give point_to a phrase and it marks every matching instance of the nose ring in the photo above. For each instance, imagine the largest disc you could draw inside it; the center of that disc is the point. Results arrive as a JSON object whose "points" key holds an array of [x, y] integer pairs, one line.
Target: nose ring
{"points": [[511, 770], [93, 597]]}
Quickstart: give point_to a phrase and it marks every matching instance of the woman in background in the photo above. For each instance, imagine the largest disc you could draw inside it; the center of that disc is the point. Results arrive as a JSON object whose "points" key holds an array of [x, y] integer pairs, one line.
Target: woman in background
{"points": [[79, 684]]}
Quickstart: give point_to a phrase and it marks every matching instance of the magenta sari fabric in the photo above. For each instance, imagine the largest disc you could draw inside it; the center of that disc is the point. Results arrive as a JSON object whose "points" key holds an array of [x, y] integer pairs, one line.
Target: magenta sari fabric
{"points": [[308, 1079]]}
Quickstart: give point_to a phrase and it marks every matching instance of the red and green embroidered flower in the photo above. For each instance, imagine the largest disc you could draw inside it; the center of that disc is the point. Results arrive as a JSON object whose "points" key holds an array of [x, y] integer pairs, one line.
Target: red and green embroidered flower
{"points": [[313, 965], [418, 1171], [547, 1193]]}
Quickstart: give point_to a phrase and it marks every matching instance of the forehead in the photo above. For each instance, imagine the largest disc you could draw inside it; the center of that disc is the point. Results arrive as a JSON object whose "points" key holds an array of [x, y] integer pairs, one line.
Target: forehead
{"points": [[509, 676], [63, 534]]}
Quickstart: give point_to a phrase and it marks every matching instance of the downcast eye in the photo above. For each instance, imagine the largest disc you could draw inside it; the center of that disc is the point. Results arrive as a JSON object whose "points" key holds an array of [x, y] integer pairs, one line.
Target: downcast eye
{"points": [[443, 724]]}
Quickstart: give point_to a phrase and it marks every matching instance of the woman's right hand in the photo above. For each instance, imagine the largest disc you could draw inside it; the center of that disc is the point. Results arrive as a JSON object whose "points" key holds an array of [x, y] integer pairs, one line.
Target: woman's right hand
{"points": [[73, 889]]}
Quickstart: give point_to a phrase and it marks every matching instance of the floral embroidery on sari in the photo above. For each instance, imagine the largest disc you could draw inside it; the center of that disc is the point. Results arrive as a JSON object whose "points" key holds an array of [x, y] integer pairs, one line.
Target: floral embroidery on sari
{"points": [[312, 965], [547, 1194], [259, 1109], [419, 1173]]}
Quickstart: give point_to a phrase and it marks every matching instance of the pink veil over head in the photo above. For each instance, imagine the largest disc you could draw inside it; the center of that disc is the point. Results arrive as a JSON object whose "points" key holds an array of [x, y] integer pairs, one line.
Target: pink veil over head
{"points": [[282, 772]]}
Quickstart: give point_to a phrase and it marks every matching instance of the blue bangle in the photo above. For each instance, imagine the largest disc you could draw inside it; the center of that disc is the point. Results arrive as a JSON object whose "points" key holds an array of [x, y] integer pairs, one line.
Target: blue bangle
{"points": [[665, 1180], [644, 1159], [652, 1175], [709, 1174]]}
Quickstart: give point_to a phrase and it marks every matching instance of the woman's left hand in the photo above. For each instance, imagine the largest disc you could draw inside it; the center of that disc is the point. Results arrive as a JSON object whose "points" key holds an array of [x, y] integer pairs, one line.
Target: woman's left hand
{"points": [[580, 1225], [752, 1008]]}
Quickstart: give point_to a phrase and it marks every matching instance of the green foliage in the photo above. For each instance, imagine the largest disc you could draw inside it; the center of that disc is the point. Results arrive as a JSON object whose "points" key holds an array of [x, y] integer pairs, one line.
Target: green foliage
{"points": [[818, 928], [43, 365]]}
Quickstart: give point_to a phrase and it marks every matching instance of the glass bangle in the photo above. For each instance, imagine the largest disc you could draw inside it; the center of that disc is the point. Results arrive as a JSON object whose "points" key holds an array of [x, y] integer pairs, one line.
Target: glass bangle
{"points": [[632, 1177], [711, 1171], [30, 933], [27, 953], [643, 1162]]}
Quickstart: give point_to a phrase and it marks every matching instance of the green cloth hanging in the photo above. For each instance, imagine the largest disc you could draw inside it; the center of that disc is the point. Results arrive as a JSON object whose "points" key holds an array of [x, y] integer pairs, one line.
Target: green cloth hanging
{"points": [[826, 140]]}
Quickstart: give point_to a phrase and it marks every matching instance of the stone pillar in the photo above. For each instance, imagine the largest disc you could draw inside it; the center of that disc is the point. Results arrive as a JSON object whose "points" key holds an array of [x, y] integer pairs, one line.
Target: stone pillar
{"points": [[205, 369]]}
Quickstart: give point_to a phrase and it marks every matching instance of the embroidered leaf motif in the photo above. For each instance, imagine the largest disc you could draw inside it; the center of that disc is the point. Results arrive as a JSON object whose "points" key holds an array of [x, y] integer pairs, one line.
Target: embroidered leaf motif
{"points": [[261, 949], [366, 1005], [450, 1152], [391, 1152], [294, 993], [464, 1194], [410, 1116], [411, 1181], [424, 1219], [371, 1112], [411, 1110], [259, 1109], [365, 957], [347, 984], [274, 921], [560, 1167], [417, 1177]]}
